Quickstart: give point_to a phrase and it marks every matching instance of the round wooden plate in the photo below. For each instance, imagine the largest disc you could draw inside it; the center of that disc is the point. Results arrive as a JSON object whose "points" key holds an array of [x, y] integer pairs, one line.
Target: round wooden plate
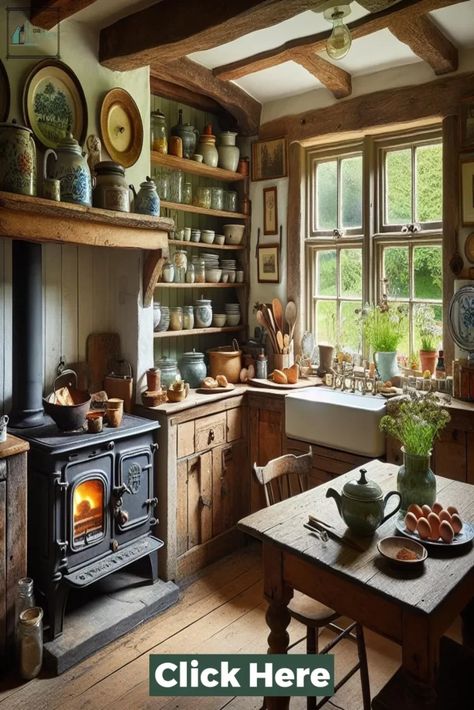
{"points": [[121, 127], [469, 247]]}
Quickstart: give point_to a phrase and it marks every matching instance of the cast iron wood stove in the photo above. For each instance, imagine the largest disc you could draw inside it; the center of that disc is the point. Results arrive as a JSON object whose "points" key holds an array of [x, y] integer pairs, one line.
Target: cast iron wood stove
{"points": [[91, 507]]}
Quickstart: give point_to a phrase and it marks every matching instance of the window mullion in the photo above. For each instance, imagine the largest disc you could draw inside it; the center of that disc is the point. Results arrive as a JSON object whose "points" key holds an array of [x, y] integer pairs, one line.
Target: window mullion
{"points": [[413, 184]]}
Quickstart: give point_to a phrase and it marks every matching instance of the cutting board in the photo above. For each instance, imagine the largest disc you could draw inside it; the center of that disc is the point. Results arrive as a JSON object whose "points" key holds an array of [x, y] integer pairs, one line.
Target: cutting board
{"points": [[313, 382], [101, 349]]}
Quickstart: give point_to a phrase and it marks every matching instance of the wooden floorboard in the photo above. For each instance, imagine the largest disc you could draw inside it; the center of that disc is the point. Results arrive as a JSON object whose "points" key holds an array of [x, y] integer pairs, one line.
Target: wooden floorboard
{"points": [[221, 611]]}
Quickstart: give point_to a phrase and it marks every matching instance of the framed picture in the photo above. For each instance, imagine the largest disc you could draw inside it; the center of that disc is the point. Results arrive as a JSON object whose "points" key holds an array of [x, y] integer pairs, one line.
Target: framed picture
{"points": [[269, 160], [270, 211], [467, 122], [268, 258], [467, 191], [25, 40]]}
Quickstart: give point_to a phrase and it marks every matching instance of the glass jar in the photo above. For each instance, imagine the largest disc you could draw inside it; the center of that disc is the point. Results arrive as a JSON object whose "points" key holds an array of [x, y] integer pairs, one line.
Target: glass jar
{"points": [[163, 185], [176, 186], [169, 371], [193, 368], [190, 275], [30, 641], [164, 320], [203, 312], [203, 198], [187, 193], [180, 265], [156, 314], [176, 318], [217, 198], [168, 272], [230, 201], [159, 138], [24, 599], [188, 317], [200, 271]]}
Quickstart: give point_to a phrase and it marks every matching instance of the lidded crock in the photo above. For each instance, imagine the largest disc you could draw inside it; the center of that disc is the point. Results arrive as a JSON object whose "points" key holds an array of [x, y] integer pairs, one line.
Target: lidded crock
{"points": [[111, 191], [193, 368]]}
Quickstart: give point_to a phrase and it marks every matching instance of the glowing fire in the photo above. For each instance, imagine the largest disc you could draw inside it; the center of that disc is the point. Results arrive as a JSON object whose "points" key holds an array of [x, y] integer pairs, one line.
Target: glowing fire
{"points": [[88, 507]]}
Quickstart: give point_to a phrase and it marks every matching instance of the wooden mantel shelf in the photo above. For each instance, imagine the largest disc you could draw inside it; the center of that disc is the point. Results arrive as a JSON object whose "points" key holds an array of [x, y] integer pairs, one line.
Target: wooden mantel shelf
{"points": [[37, 220]]}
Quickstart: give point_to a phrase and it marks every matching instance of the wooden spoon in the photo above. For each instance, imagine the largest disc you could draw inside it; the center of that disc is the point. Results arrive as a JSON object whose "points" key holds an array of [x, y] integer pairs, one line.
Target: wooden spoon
{"points": [[291, 314], [286, 340], [280, 340], [261, 320], [277, 309]]}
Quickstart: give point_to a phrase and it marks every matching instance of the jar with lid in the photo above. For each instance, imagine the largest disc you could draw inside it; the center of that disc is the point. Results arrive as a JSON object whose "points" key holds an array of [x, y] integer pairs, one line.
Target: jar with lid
{"points": [[180, 265], [24, 599], [30, 642], [111, 190], [193, 368], [207, 147], [188, 318], [203, 312], [176, 318], [176, 186], [261, 365], [203, 197], [168, 272], [217, 198], [230, 201], [187, 193], [159, 137], [190, 275], [199, 271], [169, 371]]}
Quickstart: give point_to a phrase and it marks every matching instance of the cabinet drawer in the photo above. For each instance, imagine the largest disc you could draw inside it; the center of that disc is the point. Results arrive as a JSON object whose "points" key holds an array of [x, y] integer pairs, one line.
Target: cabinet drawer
{"points": [[185, 440], [234, 424], [210, 431]]}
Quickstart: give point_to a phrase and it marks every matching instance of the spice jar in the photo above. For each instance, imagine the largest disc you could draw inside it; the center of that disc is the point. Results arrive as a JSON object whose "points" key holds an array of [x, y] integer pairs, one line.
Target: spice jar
{"points": [[188, 317], [187, 193], [176, 318], [190, 275], [180, 265], [30, 641], [169, 371], [199, 271], [159, 138], [24, 599]]}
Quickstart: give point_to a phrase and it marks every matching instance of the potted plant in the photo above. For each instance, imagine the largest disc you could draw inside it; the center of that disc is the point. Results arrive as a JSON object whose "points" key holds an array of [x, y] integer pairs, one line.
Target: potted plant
{"points": [[384, 327], [416, 422], [429, 334]]}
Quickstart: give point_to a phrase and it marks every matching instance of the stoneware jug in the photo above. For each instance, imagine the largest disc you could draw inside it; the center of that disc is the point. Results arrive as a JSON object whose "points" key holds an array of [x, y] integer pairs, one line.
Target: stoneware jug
{"points": [[188, 135], [146, 200], [362, 504], [71, 169], [17, 159], [228, 152]]}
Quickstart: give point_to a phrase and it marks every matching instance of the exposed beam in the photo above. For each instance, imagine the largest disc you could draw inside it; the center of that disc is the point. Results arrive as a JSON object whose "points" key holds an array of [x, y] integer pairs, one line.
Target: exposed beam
{"points": [[420, 102], [407, 10], [165, 32], [47, 13], [245, 109], [377, 5], [427, 41], [334, 78], [174, 92]]}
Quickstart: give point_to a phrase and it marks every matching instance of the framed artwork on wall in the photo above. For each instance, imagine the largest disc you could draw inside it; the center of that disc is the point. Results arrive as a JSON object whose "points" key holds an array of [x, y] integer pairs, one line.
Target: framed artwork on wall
{"points": [[25, 40], [269, 159], [268, 258], [270, 210], [467, 122], [467, 191]]}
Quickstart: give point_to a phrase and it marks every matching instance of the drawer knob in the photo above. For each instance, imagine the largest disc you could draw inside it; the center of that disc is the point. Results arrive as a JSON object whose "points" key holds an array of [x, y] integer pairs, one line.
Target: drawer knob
{"points": [[211, 436]]}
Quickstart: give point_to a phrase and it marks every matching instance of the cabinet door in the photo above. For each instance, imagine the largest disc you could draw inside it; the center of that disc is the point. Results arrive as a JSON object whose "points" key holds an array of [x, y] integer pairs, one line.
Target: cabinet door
{"points": [[449, 456], [194, 514], [266, 429], [229, 486]]}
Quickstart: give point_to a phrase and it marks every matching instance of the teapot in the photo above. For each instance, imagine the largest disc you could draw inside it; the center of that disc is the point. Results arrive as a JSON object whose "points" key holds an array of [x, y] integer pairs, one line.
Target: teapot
{"points": [[71, 169], [362, 505], [146, 200]]}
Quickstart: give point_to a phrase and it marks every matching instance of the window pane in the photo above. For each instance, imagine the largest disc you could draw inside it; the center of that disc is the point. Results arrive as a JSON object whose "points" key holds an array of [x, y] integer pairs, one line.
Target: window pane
{"points": [[398, 187], [427, 263], [395, 268], [404, 346], [351, 272], [326, 322], [429, 181], [326, 195], [326, 273], [428, 326], [351, 338], [351, 192]]}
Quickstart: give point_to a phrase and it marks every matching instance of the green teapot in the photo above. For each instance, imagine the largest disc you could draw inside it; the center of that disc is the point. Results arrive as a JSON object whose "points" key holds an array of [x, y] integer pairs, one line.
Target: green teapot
{"points": [[362, 504]]}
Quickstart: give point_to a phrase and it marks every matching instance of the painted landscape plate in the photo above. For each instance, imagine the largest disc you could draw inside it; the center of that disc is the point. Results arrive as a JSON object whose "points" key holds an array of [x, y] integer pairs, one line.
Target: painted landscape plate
{"points": [[121, 127], [4, 93], [465, 536], [54, 104]]}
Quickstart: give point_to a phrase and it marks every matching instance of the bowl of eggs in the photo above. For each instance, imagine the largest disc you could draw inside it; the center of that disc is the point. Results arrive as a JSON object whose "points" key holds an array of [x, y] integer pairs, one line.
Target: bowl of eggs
{"points": [[435, 525]]}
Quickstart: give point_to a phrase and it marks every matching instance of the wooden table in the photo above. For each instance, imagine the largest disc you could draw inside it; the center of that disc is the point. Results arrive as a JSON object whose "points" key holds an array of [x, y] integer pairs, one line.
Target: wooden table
{"points": [[413, 608]]}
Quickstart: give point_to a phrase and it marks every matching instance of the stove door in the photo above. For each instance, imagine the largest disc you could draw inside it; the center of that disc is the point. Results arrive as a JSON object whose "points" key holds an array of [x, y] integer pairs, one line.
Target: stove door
{"points": [[135, 483]]}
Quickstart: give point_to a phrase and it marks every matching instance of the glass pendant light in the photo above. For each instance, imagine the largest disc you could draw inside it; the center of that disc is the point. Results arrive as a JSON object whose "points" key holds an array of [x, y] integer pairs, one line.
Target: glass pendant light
{"points": [[340, 40]]}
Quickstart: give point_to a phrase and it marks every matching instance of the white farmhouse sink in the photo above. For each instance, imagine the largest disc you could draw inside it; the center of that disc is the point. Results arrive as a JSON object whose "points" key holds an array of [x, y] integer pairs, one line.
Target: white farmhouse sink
{"points": [[339, 420]]}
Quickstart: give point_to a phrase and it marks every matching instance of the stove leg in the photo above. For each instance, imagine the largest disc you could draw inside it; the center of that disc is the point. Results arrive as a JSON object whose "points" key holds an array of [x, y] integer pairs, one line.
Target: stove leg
{"points": [[153, 560], [56, 606]]}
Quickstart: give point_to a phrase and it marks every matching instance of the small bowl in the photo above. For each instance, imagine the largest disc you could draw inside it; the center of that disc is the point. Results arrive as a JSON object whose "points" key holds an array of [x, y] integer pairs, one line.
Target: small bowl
{"points": [[234, 233], [196, 236], [213, 276], [207, 236], [389, 547], [219, 320], [197, 157], [219, 239], [232, 319]]}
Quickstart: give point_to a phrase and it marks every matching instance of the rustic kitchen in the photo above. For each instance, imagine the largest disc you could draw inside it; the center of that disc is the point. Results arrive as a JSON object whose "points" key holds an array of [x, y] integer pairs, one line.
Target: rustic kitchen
{"points": [[237, 347]]}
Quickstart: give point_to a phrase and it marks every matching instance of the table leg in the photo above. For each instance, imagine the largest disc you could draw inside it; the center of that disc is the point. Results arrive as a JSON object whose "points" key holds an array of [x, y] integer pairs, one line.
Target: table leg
{"points": [[420, 651], [467, 616]]}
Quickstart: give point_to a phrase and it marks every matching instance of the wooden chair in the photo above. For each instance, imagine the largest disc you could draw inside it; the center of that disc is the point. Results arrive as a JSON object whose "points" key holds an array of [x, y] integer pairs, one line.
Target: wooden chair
{"points": [[281, 478]]}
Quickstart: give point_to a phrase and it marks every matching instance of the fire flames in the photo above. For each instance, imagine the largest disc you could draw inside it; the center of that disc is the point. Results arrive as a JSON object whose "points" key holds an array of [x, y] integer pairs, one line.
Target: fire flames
{"points": [[88, 508]]}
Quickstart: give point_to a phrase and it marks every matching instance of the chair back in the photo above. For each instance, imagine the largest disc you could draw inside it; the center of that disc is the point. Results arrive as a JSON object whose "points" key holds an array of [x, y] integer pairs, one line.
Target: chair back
{"points": [[285, 476]]}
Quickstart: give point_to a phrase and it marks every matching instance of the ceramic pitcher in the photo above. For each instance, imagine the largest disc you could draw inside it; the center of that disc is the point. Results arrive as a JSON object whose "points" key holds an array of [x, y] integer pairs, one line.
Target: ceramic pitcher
{"points": [[71, 169], [17, 159]]}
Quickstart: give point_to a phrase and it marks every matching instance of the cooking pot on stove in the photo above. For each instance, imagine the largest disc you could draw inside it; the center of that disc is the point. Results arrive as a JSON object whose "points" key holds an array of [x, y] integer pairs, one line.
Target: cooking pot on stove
{"points": [[67, 405]]}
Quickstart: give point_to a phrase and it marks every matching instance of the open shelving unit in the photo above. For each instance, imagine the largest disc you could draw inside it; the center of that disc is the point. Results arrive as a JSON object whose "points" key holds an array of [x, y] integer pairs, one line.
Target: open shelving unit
{"points": [[198, 331], [192, 167], [181, 207], [164, 284]]}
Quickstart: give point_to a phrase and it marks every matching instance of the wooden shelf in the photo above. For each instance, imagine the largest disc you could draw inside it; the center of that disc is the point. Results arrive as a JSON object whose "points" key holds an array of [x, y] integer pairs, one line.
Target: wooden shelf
{"points": [[198, 331], [163, 284], [202, 245], [181, 207], [192, 167]]}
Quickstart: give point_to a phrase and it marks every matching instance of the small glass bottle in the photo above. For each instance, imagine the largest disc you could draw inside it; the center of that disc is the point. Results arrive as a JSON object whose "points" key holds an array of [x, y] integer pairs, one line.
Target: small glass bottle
{"points": [[261, 366], [30, 641], [24, 599], [188, 317], [190, 275], [176, 318], [440, 367], [187, 193]]}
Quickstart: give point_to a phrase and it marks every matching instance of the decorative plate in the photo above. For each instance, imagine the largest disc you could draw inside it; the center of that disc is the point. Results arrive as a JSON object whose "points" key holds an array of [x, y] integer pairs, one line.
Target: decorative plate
{"points": [[461, 318], [469, 248], [54, 103], [121, 127], [462, 538], [4, 93]]}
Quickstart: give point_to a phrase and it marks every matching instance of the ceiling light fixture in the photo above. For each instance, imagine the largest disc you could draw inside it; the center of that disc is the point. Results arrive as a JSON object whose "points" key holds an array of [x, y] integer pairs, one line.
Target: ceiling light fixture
{"points": [[339, 42]]}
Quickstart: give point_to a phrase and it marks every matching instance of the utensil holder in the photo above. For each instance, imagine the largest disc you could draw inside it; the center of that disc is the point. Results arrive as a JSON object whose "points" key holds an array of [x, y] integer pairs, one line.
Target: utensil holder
{"points": [[280, 361]]}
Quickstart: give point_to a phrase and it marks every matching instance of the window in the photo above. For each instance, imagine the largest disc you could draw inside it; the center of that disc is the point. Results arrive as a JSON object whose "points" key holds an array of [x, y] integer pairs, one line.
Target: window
{"points": [[374, 227]]}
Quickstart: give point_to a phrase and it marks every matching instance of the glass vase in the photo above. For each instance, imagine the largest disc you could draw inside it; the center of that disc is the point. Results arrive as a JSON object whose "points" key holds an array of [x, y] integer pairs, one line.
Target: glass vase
{"points": [[416, 482]]}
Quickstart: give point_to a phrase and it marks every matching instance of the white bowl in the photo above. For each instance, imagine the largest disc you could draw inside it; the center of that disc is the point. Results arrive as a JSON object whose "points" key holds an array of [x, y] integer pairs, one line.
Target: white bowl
{"points": [[213, 276], [219, 239], [207, 236], [233, 233], [232, 319], [219, 320]]}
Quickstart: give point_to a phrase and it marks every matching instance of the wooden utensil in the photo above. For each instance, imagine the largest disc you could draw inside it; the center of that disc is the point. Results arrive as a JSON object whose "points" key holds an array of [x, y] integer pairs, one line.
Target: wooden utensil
{"points": [[271, 326], [261, 320], [280, 340], [286, 340], [291, 314], [277, 310]]}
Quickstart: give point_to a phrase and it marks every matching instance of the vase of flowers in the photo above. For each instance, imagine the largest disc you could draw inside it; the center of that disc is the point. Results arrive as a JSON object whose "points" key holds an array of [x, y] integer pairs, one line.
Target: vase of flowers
{"points": [[416, 422], [429, 333], [384, 327]]}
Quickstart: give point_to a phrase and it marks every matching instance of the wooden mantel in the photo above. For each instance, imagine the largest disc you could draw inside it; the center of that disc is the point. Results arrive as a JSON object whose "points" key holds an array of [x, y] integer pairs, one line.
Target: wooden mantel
{"points": [[38, 220]]}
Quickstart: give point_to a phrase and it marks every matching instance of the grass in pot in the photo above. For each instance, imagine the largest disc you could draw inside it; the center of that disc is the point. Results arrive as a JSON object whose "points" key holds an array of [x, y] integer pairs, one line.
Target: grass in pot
{"points": [[384, 328], [429, 333]]}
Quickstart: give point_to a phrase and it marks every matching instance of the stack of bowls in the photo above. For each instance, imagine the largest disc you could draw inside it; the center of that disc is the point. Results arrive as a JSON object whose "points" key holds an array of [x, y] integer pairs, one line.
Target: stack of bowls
{"points": [[195, 235], [229, 267], [232, 311], [164, 323]]}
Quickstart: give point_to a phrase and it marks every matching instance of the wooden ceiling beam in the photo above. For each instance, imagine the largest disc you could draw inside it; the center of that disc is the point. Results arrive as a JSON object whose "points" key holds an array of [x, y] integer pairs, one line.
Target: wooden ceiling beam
{"points": [[427, 41], [47, 13], [407, 10], [196, 78], [334, 78], [174, 92]]}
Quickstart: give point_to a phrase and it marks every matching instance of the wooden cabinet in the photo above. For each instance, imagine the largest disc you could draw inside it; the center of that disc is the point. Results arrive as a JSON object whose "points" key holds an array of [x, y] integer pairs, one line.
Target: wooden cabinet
{"points": [[13, 489], [266, 437]]}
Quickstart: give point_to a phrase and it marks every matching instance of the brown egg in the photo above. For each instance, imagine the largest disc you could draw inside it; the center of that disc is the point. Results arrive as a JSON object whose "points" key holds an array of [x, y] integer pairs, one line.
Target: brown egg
{"points": [[452, 509], [444, 515], [446, 531], [426, 510], [434, 523], [437, 508], [411, 521], [416, 510], [424, 528], [456, 523]]}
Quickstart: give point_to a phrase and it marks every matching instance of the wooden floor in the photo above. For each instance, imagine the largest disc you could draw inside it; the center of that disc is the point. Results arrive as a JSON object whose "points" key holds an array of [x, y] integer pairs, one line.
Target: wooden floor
{"points": [[222, 611]]}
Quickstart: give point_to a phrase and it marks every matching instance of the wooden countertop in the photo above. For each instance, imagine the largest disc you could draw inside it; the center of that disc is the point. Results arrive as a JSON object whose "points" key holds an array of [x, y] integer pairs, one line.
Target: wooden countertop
{"points": [[12, 446]]}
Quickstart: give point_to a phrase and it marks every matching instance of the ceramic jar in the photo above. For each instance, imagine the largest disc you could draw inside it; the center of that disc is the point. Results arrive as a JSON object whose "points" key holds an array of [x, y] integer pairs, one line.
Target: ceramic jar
{"points": [[111, 190], [193, 368], [416, 482], [203, 312], [17, 159], [188, 135], [169, 371], [146, 200], [228, 152], [188, 317], [159, 137], [207, 147], [71, 169]]}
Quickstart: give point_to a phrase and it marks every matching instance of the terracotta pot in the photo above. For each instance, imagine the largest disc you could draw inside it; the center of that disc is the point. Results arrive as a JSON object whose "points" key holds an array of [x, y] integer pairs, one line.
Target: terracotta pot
{"points": [[428, 360]]}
